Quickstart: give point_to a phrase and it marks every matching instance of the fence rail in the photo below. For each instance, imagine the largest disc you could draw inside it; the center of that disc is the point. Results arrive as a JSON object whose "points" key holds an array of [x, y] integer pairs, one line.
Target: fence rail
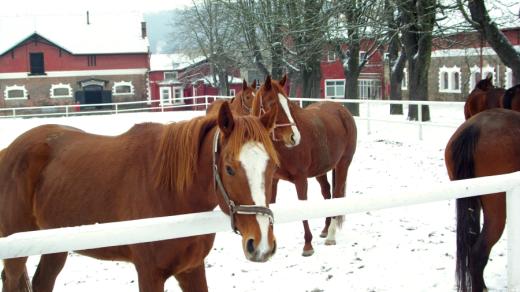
{"points": [[153, 229]]}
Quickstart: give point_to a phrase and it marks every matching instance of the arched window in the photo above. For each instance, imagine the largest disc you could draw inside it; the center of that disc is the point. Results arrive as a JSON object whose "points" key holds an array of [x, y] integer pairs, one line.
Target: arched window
{"points": [[449, 79]]}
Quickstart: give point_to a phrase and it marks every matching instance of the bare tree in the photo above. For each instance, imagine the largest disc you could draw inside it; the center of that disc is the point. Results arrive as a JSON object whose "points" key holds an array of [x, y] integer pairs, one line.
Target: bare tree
{"points": [[480, 20]]}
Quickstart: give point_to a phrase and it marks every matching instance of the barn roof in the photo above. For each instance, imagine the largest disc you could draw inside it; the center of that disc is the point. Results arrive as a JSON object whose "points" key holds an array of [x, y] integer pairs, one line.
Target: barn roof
{"points": [[105, 33], [170, 62]]}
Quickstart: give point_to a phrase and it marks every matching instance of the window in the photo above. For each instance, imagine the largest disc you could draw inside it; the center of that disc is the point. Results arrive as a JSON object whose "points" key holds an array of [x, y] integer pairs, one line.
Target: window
{"points": [[331, 56], [369, 88], [449, 79], [404, 82], [15, 92], [178, 97], [123, 88], [334, 88], [91, 61], [61, 90], [475, 75], [170, 75], [166, 95], [508, 82], [37, 66], [362, 55], [232, 92]]}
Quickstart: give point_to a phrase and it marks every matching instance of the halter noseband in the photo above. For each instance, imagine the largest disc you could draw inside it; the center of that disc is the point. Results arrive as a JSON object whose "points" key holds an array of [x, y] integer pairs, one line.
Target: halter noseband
{"points": [[233, 208], [276, 125]]}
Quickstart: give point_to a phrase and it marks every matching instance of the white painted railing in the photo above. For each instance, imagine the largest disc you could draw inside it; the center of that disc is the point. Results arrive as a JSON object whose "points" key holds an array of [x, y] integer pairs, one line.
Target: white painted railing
{"points": [[153, 229]]}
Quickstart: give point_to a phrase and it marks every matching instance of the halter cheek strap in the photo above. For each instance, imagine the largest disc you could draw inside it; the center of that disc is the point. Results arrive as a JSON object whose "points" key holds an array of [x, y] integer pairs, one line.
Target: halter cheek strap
{"points": [[233, 208], [276, 125]]}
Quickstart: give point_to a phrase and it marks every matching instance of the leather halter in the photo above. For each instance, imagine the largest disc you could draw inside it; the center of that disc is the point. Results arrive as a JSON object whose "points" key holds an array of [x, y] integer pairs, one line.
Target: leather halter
{"points": [[276, 125], [233, 208]]}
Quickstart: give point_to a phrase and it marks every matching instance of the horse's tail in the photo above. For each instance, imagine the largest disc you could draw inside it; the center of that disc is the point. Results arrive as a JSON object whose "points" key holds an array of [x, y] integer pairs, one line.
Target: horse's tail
{"points": [[468, 209], [507, 100]]}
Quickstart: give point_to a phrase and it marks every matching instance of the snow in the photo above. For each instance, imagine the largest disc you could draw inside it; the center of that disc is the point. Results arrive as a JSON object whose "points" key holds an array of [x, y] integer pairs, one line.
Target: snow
{"points": [[400, 249]]}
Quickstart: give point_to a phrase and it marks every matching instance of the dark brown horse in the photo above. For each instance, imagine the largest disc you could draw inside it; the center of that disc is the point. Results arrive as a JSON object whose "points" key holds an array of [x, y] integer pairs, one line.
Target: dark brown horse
{"points": [[310, 142], [56, 176], [486, 144], [487, 96], [241, 103]]}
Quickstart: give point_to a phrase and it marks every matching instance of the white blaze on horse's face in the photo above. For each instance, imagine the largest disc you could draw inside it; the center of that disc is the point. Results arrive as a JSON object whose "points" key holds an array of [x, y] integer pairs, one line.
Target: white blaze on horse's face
{"points": [[254, 159], [285, 105]]}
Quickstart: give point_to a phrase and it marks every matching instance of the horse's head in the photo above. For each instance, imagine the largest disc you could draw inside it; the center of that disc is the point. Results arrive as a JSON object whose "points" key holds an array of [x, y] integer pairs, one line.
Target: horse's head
{"points": [[246, 96], [244, 163], [485, 84], [272, 95]]}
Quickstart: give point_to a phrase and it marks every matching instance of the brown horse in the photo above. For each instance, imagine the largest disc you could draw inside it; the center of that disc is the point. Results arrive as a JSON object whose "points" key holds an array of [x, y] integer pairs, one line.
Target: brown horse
{"points": [[486, 144], [56, 176], [310, 142], [487, 96], [241, 103]]}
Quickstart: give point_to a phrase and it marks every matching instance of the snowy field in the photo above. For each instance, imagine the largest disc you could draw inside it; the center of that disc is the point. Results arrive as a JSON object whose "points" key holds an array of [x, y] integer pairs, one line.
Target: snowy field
{"points": [[400, 249]]}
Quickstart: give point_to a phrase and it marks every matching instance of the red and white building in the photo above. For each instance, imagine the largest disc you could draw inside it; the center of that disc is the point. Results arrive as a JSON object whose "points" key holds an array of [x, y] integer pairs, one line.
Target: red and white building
{"points": [[86, 58]]}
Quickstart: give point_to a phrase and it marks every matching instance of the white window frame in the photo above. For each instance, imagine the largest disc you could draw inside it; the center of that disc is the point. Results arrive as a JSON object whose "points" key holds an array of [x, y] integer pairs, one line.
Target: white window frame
{"points": [[177, 99], [59, 86], [369, 88], [232, 92], [123, 83], [451, 73], [485, 71], [15, 87], [165, 101], [331, 56], [361, 55], [404, 82], [508, 80], [336, 81]]}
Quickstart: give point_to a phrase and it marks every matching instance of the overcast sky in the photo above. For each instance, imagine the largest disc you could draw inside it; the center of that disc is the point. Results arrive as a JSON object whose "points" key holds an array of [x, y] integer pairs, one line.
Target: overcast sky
{"points": [[24, 7]]}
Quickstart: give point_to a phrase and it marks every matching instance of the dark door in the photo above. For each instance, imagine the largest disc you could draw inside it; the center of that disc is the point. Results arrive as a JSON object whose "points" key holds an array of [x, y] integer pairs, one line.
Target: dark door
{"points": [[37, 66]]}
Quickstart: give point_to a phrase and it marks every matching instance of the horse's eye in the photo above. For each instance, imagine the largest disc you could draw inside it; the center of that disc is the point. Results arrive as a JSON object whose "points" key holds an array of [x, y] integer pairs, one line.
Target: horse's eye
{"points": [[230, 170]]}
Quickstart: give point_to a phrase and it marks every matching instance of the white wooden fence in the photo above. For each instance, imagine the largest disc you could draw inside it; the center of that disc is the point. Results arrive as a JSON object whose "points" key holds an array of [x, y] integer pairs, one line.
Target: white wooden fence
{"points": [[153, 229]]}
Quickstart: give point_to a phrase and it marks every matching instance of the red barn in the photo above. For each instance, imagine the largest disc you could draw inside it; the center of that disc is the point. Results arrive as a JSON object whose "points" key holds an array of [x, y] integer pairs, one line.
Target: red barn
{"points": [[64, 59], [175, 77]]}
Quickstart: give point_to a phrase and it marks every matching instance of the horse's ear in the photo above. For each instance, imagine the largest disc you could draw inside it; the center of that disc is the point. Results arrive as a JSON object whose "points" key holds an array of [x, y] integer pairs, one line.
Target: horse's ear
{"points": [[283, 80], [269, 118], [253, 85], [225, 119], [244, 84], [267, 83]]}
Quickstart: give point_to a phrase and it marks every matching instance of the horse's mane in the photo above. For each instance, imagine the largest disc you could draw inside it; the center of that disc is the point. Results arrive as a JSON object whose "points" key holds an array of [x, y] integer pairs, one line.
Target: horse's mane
{"points": [[508, 96], [180, 144]]}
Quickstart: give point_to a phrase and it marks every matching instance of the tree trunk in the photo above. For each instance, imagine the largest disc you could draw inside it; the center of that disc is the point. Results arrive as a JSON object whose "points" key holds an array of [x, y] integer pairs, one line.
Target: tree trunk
{"points": [[352, 90]]}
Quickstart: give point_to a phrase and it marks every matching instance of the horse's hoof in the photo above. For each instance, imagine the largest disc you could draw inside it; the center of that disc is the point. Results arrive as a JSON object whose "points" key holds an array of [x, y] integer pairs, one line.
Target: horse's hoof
{"points": [[324, 234], [308, 253], [330, 242]]}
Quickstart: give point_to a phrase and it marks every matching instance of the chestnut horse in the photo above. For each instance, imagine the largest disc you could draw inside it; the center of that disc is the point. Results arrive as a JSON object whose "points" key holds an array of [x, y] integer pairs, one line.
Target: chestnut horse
{"points": [[241, 103], [57, 176], [486, 144], [487, 96], [310, 142]]}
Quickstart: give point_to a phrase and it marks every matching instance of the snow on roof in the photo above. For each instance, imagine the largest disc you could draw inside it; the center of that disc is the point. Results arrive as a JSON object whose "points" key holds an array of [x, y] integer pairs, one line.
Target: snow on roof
{"points": [[169, 62], [106, 33], [208, 80]]}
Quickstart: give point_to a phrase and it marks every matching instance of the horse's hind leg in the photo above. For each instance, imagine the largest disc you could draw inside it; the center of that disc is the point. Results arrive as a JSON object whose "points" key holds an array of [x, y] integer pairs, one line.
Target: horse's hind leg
{"points": [[193, 280], [494, 209], [14, 276], [48, 269], [339, 181], [325, 192]]}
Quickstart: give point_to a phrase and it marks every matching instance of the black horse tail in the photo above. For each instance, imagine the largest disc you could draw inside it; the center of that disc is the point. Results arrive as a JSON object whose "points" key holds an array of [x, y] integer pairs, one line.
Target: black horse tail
{"points": [[468, 209], [507, 100]]}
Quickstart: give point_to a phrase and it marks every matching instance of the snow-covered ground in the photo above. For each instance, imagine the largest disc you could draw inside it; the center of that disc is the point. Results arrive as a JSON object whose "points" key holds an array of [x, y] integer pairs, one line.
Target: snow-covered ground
{"points": [[400, 249]]}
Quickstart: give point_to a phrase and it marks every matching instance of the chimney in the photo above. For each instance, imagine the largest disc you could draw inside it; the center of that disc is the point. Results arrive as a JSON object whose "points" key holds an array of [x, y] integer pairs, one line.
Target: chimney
{"points": [[143, 29], [88, 19]]}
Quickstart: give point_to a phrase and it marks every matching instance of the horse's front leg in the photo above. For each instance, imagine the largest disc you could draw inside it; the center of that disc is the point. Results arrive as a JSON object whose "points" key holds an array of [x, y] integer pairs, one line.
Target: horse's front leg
{"points": [[301, 190], [193, 280], [150, 279]]}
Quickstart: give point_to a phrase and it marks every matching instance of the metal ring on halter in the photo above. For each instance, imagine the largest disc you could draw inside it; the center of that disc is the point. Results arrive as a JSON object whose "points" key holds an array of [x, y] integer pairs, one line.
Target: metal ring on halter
{"points": [[233, 208]]}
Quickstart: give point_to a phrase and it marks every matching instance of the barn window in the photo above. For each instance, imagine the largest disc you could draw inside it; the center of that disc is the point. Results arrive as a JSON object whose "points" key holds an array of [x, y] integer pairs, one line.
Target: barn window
{"points": [[91, 60], [177, 95], [335, 88], [37, 65], [232, 92], [15, 92], [61, 90], [404, 82], [508, 82], [170, 75], [449, 79], [123, 88], [331, 56]]}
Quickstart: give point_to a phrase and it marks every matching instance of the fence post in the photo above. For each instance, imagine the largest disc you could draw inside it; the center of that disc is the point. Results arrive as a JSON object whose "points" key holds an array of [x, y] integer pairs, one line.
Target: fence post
{"points": [[513, 239], [368, 117], [419, 110]]}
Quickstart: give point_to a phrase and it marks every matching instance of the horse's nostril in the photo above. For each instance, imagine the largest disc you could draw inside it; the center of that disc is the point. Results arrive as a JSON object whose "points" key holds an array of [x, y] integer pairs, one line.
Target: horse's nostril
{"points": [[251, 246], [293, 141]]}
